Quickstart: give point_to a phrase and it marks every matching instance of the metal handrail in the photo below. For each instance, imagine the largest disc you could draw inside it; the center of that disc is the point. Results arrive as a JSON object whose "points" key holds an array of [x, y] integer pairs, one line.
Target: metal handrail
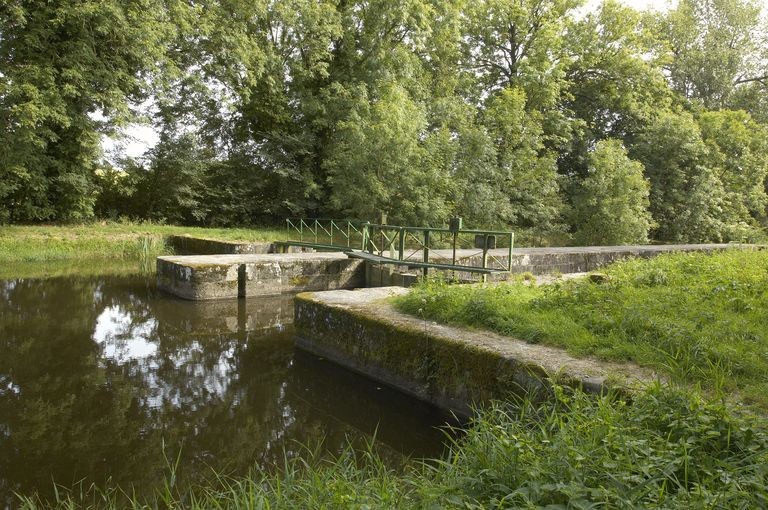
{"points": [[376, 239], [316, 230], [403, 234]]}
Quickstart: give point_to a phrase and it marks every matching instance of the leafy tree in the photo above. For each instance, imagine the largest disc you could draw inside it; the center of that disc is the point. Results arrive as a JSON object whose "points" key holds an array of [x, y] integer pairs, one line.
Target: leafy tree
{"points": [[613, 88], [377, 165], [525, 169], [612, 206], [687, 196], [716, 48], [739, 151], [169, 188], [69, 69], [518, 44]]}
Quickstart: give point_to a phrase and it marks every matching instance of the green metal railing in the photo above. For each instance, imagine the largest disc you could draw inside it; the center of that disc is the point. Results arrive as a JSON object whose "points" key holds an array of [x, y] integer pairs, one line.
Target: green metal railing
{"points": [[428, 247], [454, 249], [329, 234]]}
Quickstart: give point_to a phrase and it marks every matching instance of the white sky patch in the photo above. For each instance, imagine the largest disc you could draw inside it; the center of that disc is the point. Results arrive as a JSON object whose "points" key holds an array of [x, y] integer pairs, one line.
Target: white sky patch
{"points": [[639, 5], [656, 5], [136, 139]]}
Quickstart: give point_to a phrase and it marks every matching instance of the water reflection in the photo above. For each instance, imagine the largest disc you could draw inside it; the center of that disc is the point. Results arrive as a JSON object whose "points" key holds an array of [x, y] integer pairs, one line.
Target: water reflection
{"points": [[98, 373]]}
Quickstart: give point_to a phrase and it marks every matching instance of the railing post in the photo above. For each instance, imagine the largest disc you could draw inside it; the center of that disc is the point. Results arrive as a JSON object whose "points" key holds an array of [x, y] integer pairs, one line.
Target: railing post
{"points": [[425, 257], [364, 243], [316, 224], [485, 257], [301, 230], [401, 244]]}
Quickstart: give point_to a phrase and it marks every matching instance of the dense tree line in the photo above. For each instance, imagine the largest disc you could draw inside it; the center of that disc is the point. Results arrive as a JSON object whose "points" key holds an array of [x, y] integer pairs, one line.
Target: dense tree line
{"points": [[604, 126]]}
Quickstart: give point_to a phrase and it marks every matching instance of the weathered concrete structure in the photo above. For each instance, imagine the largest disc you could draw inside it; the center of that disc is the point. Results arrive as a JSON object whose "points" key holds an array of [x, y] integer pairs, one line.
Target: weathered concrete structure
{"points": [[188, 245], [239, 275], [537, 261], [589, 258], [451, 367], [230, 276]]}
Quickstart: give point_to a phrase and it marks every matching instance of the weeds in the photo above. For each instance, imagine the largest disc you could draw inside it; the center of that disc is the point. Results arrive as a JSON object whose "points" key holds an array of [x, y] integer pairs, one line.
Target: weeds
{"points": [[667, 448], [698, 318]]}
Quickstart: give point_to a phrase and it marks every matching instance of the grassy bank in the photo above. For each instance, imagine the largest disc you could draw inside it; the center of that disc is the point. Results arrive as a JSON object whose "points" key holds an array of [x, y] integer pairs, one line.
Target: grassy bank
{"points": [[666, 449], [107, 240], [696, 318]]}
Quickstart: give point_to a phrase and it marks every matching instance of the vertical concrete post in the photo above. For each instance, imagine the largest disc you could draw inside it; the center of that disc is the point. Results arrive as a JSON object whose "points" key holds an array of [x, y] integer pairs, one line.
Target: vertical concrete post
{"points": [[242, 277]]}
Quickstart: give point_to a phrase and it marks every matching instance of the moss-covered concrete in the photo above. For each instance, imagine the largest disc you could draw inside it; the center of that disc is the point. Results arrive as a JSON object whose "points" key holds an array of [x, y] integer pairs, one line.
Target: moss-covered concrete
{"points": [[203, 277], [189, 245], [451, 367]]}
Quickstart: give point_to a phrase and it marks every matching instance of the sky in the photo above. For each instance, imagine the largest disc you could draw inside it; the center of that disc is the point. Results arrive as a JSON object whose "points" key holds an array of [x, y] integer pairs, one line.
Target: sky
{"points": [[138, 138], [642, 5]]}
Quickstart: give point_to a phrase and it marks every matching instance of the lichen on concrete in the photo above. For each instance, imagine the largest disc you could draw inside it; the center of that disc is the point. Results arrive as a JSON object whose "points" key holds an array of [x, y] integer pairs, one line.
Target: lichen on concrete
{"points": [[231, 276], [448, 366]]}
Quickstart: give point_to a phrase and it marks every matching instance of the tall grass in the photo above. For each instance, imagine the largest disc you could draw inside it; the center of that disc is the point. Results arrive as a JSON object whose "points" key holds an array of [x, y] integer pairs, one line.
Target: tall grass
{"points": [[698, 318], [668, 448], [119, 240]]}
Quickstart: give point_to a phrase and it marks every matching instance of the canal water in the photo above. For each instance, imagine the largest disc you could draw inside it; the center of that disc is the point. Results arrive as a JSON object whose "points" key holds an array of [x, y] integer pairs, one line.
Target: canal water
{"points": [[105, 380]]}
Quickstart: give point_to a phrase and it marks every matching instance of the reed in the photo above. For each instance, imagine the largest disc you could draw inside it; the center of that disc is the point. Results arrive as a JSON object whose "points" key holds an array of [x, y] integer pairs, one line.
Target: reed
{"points": [[666, 448]]}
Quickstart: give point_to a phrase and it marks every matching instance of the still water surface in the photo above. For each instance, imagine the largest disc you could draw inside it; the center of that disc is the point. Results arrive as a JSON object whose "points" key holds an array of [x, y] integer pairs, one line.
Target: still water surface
{"points": [[103, 378]]}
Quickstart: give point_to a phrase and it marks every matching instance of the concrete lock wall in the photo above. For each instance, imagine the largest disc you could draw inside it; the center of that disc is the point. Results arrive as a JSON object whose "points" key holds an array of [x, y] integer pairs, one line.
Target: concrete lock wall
{"points": [[451, 367], [187, 245], [538, 261], [231, 276]]}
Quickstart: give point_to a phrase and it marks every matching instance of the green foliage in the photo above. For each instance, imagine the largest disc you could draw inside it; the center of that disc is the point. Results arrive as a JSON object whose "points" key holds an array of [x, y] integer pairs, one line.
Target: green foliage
{"points": [[665, 449], [716, 48], [687, 195], [739, 151], [519, 44], [612, 207], [525, 169], [694, 317], [423, 110], [707, 175], [170, 189], [613, 86], [405, 188], [62, 64]]}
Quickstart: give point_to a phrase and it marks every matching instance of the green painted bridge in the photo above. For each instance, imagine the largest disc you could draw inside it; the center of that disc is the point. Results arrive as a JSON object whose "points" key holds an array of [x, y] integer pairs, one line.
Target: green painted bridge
{"points": [[449, 249]]}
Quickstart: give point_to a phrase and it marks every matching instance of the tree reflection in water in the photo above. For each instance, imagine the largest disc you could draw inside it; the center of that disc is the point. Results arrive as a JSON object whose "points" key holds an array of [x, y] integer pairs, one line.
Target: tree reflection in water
{"points": [[103, 378]]}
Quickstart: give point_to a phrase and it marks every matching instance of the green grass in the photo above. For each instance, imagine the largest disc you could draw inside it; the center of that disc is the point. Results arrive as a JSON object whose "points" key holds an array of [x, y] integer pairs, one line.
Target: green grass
{"points": [[697, 318], [668, 448], [107, 240]]}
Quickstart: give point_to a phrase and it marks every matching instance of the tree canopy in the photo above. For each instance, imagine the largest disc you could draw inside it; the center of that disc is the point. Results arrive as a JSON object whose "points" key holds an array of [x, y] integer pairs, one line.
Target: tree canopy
{"points": [[597, 126]]}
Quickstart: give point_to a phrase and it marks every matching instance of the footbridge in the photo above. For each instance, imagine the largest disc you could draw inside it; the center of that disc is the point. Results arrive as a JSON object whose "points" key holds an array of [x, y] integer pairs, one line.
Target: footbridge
{"points": [[455, 249], [317, 255]]}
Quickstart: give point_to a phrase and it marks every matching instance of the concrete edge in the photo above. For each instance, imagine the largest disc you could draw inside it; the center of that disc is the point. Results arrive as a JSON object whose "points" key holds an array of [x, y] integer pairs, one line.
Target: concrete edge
{"points": [[454, 368]]}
